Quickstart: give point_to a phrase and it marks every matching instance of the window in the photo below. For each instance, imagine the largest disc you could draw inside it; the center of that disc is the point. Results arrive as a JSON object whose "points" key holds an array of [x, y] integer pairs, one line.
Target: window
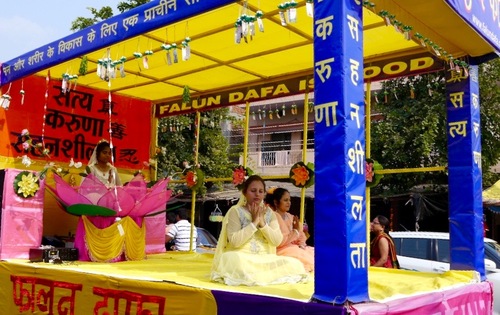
{"points": [[415, 248], [443, 251]]}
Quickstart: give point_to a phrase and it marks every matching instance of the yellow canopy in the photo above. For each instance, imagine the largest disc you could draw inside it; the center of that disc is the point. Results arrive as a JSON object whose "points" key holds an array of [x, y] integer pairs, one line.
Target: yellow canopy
{"points": [[217, 63]]}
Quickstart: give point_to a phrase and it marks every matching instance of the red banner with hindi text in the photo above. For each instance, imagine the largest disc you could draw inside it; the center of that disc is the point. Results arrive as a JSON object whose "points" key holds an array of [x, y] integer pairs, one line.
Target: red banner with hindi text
{"points": [[70, 124]]}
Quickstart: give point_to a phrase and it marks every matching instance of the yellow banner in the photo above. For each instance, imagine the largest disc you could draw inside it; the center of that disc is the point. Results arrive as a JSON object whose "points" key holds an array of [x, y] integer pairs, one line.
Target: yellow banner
{"points": [[47, 289], [374, 71]]}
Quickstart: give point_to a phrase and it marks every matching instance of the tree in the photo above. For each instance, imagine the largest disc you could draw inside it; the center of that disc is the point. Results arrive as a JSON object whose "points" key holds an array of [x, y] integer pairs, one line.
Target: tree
{"points": [[176, 138], [104, 13], [98, 15], [489, 95], [412, 132]]}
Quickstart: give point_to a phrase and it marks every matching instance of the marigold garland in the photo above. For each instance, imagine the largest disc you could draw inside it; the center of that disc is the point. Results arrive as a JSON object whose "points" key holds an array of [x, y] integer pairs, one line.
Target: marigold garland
{"points": [[240, 175], [302, 175]]}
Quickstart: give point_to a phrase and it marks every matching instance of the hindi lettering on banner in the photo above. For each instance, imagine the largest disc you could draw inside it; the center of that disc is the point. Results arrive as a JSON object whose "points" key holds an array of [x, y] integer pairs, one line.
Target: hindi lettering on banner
{"points": [[130, 21], [356, 158], [458, 128], [457, 99], [6, 69], [357, 207], [93, 125], [476, 128], [160, 9], [135, 303], [324, 27], [325, 112], [91, 35], [77, 148], [18, 65], [358, 253], [477, 159], [108, 29], [475, 100], [355, 114], [36, 58], [353, 24], [69, 45], [322, 67], [354, 71], [37, 294]]}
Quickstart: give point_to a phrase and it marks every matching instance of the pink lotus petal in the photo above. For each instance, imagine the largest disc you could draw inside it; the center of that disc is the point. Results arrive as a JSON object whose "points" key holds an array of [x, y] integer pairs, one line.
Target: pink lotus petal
{"points": [[152, 203], [119, 200], [92, 188], [159, 186], [136, 187], [67, 193]]}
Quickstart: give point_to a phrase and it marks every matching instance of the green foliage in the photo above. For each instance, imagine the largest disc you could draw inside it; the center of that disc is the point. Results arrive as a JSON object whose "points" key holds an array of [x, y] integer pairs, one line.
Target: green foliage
{"points": [[489, 95], [130, 4], [104, 13], [176, 135], [411, 132], [98, 15]]}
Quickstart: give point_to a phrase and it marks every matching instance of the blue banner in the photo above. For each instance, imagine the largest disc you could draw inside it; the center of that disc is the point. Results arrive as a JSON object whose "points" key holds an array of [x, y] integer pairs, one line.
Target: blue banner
{"points": [[464, 171], [483, 16], [340, 184], [145, 18]]}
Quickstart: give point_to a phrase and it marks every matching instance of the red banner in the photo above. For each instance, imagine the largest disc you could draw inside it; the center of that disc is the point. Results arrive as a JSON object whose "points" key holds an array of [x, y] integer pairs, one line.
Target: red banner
{"points": [[74, 122]]}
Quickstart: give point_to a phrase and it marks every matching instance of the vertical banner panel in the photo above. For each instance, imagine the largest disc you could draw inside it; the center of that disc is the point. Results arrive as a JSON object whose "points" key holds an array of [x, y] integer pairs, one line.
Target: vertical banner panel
{"points": [[464, 163], [340, 216]]}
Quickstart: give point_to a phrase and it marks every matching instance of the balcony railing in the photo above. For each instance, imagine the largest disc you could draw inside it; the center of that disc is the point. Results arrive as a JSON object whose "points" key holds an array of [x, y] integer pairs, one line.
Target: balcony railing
{"points": [[283, 158]]}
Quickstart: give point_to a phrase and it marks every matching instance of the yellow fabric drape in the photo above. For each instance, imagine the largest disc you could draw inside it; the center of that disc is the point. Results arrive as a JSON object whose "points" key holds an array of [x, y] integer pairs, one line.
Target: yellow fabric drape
{"points": [[109, 243]]}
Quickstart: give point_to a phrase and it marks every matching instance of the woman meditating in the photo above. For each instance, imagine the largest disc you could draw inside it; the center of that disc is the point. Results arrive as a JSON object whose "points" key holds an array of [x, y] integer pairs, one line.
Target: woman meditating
{"points": [[246, 251], [294, 239], [101, 167]]}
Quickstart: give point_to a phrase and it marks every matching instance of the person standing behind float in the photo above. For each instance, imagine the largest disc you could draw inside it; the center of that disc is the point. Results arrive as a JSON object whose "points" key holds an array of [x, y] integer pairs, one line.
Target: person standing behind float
{"points": [[294, 239], [180, 233], [246, 250], [101, 167], [382, 249]]}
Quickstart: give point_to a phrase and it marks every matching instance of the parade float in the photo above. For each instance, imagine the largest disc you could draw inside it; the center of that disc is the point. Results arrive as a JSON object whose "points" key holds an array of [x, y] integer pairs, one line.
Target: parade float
{"points": [[112, 80]]}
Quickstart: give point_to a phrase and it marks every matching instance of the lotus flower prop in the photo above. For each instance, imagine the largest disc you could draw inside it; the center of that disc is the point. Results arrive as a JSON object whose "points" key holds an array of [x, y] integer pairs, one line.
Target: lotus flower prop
{"points": [[134, 199]]}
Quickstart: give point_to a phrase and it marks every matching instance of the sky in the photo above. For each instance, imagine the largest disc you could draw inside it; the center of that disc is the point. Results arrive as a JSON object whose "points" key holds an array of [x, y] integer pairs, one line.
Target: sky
{"points": [[26, 25]]}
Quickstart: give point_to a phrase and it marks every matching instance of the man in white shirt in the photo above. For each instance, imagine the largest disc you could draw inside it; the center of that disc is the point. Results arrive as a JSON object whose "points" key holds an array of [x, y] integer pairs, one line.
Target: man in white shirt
{"points": [[181, 232]]}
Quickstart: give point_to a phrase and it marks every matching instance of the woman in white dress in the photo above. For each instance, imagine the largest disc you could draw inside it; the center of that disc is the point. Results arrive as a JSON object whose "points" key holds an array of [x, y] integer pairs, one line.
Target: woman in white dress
{"points": [[101, 167], [246, 250]]}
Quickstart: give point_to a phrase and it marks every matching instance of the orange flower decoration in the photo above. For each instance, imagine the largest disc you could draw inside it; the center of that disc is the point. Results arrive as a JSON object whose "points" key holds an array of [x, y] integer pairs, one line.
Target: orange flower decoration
{"points": [[239, 176], [191, 179], [300, 175]]}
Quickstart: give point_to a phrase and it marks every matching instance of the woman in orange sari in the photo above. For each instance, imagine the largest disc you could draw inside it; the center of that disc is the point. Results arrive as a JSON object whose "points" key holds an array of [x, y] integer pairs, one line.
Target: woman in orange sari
{"points": [[294, 239]]}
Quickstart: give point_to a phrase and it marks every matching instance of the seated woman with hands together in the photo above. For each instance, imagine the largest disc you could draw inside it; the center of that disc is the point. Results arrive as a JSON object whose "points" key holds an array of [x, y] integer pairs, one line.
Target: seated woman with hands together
{"points": [[294, 239], [101, 167], [246, 250]]}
